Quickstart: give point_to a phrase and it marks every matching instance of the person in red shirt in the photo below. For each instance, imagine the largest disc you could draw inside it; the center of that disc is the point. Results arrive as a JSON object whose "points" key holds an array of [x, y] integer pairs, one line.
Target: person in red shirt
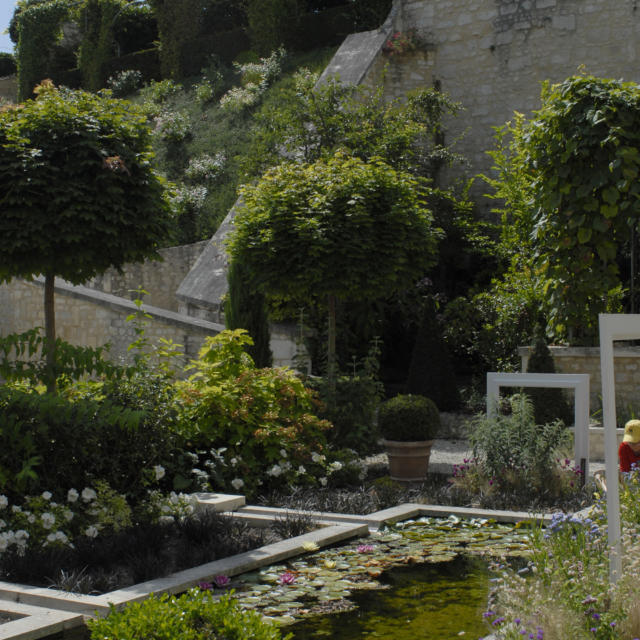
{"points": [[629, 450]]}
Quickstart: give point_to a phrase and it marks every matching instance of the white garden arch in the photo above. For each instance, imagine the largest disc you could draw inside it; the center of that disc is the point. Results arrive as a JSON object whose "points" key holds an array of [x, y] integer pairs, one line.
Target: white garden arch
{"points": [[579, 382]]}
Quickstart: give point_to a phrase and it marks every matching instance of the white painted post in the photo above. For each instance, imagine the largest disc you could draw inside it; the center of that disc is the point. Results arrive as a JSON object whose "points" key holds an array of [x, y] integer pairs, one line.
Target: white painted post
{"points": [[613, 327], [579, 382]]}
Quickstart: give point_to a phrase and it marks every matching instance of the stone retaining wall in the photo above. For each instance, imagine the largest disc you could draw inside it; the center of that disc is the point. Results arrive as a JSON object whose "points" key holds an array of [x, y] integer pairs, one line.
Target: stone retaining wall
{"points": [[587, 360], [92, 318], [492, 55]]}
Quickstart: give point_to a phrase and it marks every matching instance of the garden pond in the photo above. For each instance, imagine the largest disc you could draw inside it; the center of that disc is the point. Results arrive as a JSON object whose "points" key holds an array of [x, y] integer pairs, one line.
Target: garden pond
{"points": [[429, 573]]}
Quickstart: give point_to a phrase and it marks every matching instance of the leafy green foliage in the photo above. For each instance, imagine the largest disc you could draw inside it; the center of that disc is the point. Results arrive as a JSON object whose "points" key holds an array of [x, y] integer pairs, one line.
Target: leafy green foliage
{"points": [[340, 227], [272, 23], [7, 64], [79, 193], [261, 419], [406, 418], [38, 26], [195, 615], [512, 450], [311, 122], [245, 309], [580, 153], [23, 357]]}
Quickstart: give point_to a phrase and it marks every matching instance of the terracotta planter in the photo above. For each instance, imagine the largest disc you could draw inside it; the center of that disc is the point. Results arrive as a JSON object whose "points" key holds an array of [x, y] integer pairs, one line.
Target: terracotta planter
{"points": [[408, 461]]}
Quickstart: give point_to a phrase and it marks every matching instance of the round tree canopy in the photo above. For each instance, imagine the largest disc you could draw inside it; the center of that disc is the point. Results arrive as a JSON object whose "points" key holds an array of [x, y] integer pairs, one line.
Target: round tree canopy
{"points": [[342, 228], [77, 190]]}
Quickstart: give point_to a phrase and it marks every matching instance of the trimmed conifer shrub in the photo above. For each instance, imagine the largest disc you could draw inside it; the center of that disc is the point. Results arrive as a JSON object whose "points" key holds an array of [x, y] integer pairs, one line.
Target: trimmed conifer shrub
{"points": [[245, 309], [431, 372], [548, 404]]}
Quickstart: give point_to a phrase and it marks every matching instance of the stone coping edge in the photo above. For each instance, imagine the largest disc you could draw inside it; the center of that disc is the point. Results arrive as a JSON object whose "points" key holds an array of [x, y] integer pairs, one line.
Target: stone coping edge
{"points": [[35, 622]]}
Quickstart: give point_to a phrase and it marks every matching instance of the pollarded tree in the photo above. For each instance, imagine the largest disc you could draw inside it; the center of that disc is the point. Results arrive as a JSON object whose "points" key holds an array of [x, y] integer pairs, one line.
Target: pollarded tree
{"points": [[583, 151], [78, 193], [336, 229]]}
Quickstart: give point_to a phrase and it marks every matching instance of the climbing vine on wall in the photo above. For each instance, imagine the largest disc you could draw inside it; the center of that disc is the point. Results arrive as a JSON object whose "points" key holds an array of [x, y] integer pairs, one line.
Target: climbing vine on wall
{"points": [[39, 28], [97, 18]]}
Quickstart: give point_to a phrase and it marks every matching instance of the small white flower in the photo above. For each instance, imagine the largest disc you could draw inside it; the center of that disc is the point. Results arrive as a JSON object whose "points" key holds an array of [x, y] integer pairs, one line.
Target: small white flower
{"points": [[3, 524], [68, 515], [237, 483], [62, 537], [323, 482], [233, 462], [16, 509], [21, 535], [72, 495], [159, 471], [301, 469], [46, 495], [173, 498], [275, 471], [89, 494], [91, 532], [4, 501], [31, 518], [317, 457], [48, 520], [166, 519], [283, 453]]}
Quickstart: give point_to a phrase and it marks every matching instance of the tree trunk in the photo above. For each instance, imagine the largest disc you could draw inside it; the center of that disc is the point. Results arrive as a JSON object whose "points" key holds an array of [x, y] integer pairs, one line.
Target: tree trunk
{"points": [[50, 332], [331, 346]]}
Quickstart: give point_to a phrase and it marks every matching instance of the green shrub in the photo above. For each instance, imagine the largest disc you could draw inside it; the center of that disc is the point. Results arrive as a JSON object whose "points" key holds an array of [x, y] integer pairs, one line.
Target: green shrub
{"points": [[431, 371], [548, 404], [260, 421], [160, 91], [406, 418], [513, 452], [52, 443], [124, 82], [195, 615], [7, 64]]}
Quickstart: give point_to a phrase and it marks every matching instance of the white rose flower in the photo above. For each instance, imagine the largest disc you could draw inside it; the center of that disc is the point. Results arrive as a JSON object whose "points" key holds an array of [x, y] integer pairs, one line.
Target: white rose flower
{"points": [[89, 494], [16, 509], [335, 466], [62, 537], [237, 483], [166, 519], [31, 518], [48, 520], [301, 469], [21, 535], [275, 471], [3, 524], [159, 471], [283, 453], [68, 515], [323, 482], [317, 457], [4, 501], [46, 495], [233, 462], [72, 495], [51, 538], [91, 532]]}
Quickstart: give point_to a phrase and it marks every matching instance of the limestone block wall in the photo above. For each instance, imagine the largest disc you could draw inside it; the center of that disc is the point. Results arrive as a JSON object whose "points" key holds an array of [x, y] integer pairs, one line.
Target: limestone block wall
{"points": [[587, 360], [161, 278], [92, 318], [492, 55], [9, 88]]}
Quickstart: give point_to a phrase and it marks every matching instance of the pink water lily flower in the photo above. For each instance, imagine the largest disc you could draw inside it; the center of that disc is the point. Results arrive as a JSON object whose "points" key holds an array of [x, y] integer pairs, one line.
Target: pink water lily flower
{"points": [[287, 578]]}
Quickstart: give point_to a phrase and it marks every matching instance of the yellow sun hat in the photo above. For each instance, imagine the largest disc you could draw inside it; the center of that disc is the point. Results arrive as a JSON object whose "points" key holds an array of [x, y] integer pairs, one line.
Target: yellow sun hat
{"points": [[632, 431]]}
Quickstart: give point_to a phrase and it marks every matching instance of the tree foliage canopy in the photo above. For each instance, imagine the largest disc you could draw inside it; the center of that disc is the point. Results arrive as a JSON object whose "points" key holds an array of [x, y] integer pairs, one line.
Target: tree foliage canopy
{"points": [[583, 150], [339, 227], [79, 193]]}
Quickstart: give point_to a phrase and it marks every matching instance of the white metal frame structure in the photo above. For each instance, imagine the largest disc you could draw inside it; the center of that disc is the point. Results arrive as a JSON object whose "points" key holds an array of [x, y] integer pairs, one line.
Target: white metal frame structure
{"points": [[613, 327], [579, 382]]}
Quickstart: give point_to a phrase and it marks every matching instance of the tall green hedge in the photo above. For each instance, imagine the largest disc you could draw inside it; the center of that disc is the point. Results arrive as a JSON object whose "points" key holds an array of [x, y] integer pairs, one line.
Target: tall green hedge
{"points": [[39, 29]]}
